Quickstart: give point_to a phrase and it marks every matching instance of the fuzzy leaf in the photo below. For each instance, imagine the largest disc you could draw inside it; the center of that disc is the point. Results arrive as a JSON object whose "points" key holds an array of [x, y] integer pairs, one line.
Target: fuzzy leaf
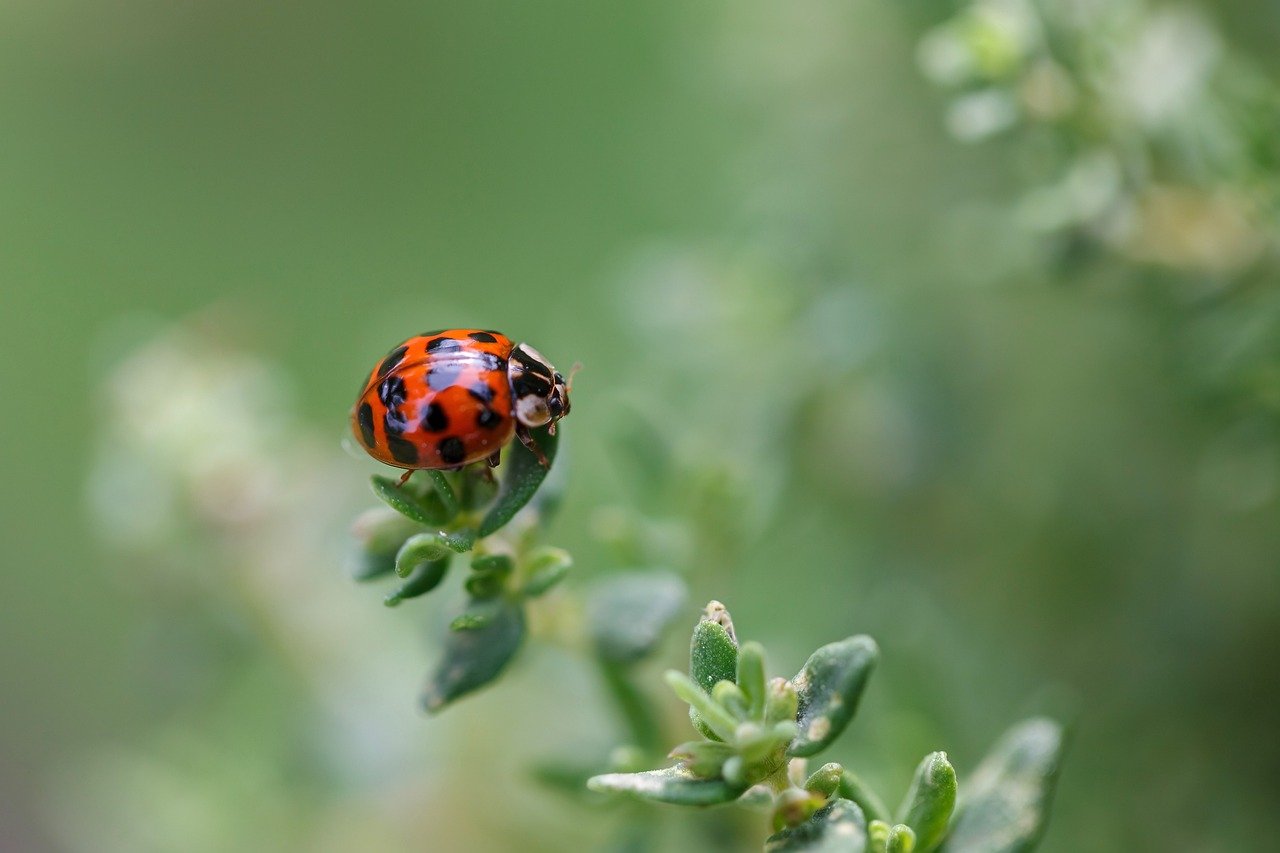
{"points": [[825, 780], [1006, 803], [426, 576], [929, 801], [829, 686], [713, 657], [669, 785], [444, 491], [474, 658], [429, 547], [629, 612], [837, 827], [409, 503], [751, 677], [523, 475]]}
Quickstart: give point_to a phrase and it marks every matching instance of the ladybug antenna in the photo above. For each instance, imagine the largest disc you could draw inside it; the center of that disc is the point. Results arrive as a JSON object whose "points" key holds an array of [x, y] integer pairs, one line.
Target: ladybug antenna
{"points": [[568, 383]]}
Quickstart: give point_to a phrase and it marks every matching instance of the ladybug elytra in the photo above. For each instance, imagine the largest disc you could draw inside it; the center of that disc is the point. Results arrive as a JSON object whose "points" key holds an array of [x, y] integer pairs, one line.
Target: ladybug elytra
{"points": [[448, 398]]}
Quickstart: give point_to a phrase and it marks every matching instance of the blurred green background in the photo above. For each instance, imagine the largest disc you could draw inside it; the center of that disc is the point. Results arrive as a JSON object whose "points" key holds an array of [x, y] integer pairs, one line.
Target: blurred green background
{"points": [[957, 325]]}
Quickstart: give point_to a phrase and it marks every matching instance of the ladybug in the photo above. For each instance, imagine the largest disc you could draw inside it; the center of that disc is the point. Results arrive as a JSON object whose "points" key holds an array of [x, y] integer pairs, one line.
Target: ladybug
{"points": [[448, 398]]}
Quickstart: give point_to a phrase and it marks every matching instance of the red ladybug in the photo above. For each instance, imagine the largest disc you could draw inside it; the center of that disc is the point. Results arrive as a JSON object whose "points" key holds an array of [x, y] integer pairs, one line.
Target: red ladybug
{"points": [[448, 398]]}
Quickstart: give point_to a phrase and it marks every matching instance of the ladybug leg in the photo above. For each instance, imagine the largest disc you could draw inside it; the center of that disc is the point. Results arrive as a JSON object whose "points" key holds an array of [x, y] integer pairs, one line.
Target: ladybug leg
{"points": [[522, 433], [404, 478], [495, 458]]}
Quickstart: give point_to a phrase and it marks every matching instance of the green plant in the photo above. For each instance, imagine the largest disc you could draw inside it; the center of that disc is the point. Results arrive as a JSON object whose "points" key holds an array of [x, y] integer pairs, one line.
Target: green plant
{"points": [[439, 516], [758, 733]]}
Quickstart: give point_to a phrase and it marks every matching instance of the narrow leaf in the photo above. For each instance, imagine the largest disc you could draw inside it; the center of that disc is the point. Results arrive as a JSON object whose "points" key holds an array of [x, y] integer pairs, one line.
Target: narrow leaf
{"points": [[929, 801], [670, 785], [444, 490], [418, 550], [474, 658], [426, 576], [713, 715], [713, 656], [751, 677], [522, 476], [825, 780], [837, 827], [409, 503], [829, 686], [1006, 803]]}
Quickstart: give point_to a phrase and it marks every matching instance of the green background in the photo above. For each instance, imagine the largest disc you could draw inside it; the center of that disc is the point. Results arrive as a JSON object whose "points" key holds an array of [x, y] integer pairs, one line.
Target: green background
{"points": [[1042, 485]]}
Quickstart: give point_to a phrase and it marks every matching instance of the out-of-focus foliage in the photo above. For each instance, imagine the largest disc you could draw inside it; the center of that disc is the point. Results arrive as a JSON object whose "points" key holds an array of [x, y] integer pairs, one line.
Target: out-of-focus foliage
{"points": [[954, 324]]}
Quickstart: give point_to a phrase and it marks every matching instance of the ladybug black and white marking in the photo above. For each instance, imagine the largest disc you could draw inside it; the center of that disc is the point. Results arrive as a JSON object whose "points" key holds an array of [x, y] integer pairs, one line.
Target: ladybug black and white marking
{"points": [[448, 398]]}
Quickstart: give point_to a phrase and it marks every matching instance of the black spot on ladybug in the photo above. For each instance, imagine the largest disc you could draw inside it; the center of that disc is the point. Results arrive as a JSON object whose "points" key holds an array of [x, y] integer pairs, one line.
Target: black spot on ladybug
{"points": [[402, 451], [488, 419], [482, 391], [442, 344], [451, 450], [365, 419], [435, 420], [392, 391], [392, 359], [492, 332], [489, 361], [395, 422], [483, 337], [443, 376]]}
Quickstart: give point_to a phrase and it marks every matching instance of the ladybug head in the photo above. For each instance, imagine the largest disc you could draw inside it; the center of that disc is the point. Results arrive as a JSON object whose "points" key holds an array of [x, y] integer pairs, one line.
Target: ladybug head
{"points": [[540, 393]]}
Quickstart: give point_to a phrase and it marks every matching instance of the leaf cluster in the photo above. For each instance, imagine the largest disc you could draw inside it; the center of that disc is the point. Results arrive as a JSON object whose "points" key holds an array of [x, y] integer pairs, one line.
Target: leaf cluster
{"points": [[757, 733]]}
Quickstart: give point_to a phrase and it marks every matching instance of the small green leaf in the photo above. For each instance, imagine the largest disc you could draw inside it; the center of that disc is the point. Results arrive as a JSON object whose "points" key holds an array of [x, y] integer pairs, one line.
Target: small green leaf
{"points": [[902, 839], [444, 490], [703, 758], [474, 658], [408, 502], [670, 785], [426, 576], [716, 718], [628, 613], [930, 800], [837, 827], [751, 678], [418, 550], [522, 476], [1006, 803], [781, 702], [829, 686], [883, 838], [825, 780], [547, 567], [853, 788], [794, 806], [728, 696], [713, 656]]}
